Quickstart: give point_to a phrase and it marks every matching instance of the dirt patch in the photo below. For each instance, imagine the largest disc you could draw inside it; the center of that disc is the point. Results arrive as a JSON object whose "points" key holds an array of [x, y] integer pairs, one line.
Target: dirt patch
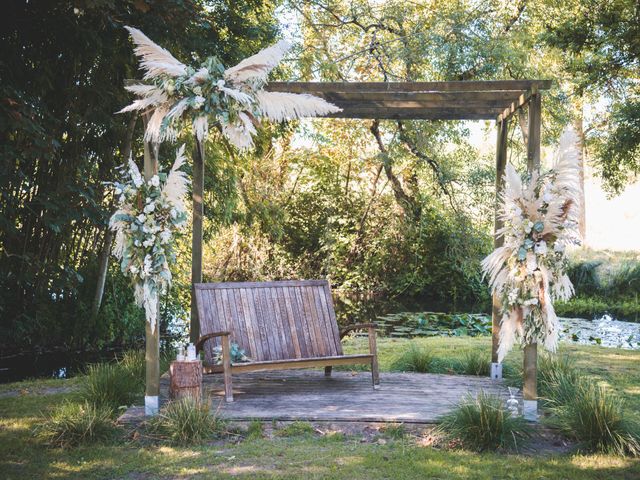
{"points": [[36, 391]]}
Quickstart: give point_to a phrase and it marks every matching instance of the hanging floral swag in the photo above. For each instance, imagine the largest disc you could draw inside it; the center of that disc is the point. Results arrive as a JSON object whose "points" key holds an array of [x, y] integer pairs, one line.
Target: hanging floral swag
{"points": [[234, 97], [528, 273], [149, 215]]}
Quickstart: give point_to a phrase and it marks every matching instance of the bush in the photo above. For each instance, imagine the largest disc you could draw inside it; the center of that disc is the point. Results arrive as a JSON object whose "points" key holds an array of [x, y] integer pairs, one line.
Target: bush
{"points": [[415, 359], [110, 385], [483, 423], [72, 424], [475, 362], [186, 421], [594, 417]]}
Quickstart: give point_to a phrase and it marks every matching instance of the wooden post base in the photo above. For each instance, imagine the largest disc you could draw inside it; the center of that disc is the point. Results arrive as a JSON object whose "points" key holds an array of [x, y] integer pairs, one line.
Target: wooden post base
{"points": [[185, 380]]}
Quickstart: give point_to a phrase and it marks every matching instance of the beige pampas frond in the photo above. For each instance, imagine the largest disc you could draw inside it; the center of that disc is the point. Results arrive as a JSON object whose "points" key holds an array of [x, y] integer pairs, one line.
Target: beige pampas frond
{"points": [[241, 132], [200, 127], [175, 188], [154, 132], [279, 106], [153, 58], [150, 99], [258, 66]]}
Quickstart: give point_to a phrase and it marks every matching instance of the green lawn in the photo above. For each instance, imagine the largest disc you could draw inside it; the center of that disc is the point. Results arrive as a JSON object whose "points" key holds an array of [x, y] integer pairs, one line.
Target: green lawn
{"points": [[307, 456]]}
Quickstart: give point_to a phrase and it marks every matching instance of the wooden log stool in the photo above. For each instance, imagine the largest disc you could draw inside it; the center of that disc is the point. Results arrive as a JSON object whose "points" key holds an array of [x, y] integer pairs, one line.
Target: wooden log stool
{"points": [[185, 380]]}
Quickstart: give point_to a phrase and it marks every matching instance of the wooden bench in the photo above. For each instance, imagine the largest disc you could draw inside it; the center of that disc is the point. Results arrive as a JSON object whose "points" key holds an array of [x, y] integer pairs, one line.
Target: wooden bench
{"points": [[280, 325]]}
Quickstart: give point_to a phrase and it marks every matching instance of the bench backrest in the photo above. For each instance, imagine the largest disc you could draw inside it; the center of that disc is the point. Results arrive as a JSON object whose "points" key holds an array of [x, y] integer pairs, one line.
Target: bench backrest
{"points": [[271, 320]]}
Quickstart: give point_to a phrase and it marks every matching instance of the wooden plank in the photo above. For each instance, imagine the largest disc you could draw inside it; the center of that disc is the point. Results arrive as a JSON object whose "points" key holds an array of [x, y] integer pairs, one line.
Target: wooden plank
{"points": [[197, 183], [301, 333], [533, 146], [325, 322], [303, 320], [292, 324], [384, 113], [445, 86], [279, 299], [293, 364], [345, 397], [487, 98], [248, 285], [530, 357], [332, 317], [152, 337], [252, 348], [473, 105], [501, 163]]}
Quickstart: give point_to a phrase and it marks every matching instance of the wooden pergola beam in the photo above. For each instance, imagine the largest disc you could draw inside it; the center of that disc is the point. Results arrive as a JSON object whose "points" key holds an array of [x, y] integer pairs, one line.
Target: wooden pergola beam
{"points": [[476, 100], [452, 86]]}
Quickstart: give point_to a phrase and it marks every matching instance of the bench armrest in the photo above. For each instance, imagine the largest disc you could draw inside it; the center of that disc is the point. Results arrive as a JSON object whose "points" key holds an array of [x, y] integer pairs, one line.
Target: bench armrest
{"points": [[208, 336], [358, 326]]}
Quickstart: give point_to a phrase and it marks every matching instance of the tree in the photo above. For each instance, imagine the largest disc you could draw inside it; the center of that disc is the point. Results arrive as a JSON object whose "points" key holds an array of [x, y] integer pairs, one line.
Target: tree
{"points": [[63, 69], [600, 45]]}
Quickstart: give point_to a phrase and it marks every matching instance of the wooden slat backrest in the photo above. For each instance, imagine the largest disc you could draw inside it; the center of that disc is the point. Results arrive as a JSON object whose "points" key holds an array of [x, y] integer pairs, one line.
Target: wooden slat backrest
{"points": [[271, 320]]}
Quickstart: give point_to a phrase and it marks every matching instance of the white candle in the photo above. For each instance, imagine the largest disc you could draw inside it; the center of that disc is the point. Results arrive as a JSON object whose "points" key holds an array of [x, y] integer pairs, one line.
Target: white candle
{"points": [[191, 352]]}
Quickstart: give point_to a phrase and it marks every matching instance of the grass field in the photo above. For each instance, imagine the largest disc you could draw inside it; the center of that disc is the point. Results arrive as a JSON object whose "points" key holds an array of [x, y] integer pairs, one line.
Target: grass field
{"points": [[306, 455]]}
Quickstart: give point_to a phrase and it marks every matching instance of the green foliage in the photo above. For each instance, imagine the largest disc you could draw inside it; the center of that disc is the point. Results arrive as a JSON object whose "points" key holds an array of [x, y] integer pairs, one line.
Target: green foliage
{"points": [[255, 430], [62, 141], [484, 424], [187, 422], [295, 429], [112, 385], [415, 358], [475, 362], [72, 424], [604, 283], [594, 416]]}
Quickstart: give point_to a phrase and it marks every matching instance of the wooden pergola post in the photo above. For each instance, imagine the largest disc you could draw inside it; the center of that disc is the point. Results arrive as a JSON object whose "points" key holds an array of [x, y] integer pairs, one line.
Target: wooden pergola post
{"points": [[501, 163], [196, 239], [530, 357], [152, 337]]}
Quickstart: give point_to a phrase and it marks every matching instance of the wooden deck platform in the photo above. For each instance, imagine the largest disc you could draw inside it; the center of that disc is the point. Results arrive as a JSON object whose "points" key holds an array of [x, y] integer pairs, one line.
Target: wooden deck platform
{"points": [[345, 396]]}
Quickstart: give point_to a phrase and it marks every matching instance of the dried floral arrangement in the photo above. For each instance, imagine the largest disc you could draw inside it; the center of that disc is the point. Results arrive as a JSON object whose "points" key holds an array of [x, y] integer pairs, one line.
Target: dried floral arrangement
{"points": [[149, 215], [233, 97], [528, 273]]}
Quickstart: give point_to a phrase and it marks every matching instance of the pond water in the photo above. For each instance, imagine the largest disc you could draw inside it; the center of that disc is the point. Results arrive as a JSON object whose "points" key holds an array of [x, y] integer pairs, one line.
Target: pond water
{"points": [[605, 331]]}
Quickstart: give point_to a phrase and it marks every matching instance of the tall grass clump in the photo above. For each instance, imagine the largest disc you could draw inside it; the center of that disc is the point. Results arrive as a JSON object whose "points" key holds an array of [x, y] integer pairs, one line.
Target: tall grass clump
{"points": [[482, 423], [475, 363], [186, 422], [558, 379], [110, 385], [72, 424], [415, 358], [133, 362], [595, 418]]}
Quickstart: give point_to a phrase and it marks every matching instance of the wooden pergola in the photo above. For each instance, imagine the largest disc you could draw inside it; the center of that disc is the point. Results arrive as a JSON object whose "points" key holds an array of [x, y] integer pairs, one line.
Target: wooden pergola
{"points": [[455, 100]]}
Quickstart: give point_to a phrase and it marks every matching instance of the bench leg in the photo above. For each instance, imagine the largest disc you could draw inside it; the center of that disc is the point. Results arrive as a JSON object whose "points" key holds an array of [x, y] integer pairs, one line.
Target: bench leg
{"points": [[226, 365], [327, 371]]}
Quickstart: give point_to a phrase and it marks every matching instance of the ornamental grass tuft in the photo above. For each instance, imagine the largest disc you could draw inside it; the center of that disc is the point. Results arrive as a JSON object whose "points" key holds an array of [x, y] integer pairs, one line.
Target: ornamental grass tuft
{"points": [[415, 358], [594, 417], [482, 423], [73, 424], [475, 362], [110, 385], [186, 422]]}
